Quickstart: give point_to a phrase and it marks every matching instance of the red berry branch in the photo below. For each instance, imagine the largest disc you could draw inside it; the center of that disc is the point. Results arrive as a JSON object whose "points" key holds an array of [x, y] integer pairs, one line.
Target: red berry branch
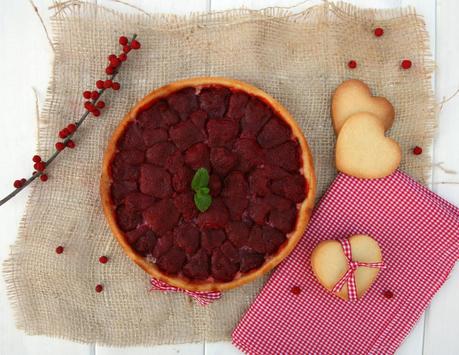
{"points": [[93, 106]]}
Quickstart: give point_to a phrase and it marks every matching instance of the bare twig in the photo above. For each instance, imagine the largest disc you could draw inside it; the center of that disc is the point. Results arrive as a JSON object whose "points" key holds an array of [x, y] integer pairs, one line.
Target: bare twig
{"points": [[445, 100], [37, 112], [42, 23], [445, 170], [132, 6]]}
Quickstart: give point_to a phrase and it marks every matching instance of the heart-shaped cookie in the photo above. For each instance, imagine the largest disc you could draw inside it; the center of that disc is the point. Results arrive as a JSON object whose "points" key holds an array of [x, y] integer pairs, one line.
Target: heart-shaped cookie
{"points": [[354, 96], [363, 151], [330, 264]]}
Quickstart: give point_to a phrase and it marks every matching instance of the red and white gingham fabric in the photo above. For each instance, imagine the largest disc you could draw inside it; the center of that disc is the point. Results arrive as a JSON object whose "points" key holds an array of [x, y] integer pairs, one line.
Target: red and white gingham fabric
{"points": [[418, 232]]}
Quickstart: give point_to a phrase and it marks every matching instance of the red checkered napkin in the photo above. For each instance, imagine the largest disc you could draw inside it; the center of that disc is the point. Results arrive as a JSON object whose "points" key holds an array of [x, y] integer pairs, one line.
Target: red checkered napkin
{"points": [[419, 236]]}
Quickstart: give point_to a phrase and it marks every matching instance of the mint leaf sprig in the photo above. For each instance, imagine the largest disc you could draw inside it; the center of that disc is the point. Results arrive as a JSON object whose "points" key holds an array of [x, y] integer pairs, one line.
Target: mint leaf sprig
{"points": [[200, 186]]}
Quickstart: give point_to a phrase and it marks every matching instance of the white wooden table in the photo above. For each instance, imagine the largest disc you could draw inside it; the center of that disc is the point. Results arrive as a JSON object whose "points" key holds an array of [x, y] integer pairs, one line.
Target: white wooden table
{"points": [[25, 66]]}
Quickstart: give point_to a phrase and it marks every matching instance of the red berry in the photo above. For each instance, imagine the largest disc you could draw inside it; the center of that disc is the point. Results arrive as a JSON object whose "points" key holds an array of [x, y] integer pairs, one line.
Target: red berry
{"points": [[100, 104], [116, 86], [64, 133], [43, 177], [388, 294], [72, 127], [94, 95], [122, 57], [59, 146], [99, 288], [107, 84], [59, 249], [417, 150], [109, 70], [406, 64], [123, 40], [103, 259], [111, 57], [100, 84], [36, 158], [71, 144], [296, 290], [352, 64], [115, 62], [96, 112], [40, 166], [87, 95], [126, 49], [23, 180], [17, 184], [379, 32], [135, 44], [89, 106]]}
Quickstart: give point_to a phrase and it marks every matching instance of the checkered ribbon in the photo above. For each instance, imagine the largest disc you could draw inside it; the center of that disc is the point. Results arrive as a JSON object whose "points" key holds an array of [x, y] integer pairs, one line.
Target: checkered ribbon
{"points": [[349, 277], [202, 297]]}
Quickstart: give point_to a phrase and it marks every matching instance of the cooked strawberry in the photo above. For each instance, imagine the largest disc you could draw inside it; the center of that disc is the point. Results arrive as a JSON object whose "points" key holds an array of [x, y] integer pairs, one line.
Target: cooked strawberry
{"points": [[292, 187], [235, 185], [131, 156], [127, 219], [215, 217], [256, 241], [283, 220], [146, 243], [250, 154], [250, 259], [183, 102], [237, 103], [273, 133], [132, 138], [197, 156], [133, 235], [155, 181], [185, 134], [286, 156], [222, 132], [168, 116], [222, 268], [277, 202], [259, 182], [153, 136], [214, 101], [137, 201], [273, 239], [258, 210], [172, 261], [123, 171], [222, 160], [181, 179], [162, 216], [120, 189], [256, 115], [187, 236], [198, 267], [186, 206], [150, 118], [215, 185], [163, 244], [157, 153], [238, 233], [199, 119], [174, 162], [230, 252], [236, 206], [211, 239]]}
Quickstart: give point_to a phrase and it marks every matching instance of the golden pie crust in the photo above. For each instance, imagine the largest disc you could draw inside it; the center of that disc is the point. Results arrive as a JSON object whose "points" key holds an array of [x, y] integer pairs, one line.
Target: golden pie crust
{"points": [[304, 208]]}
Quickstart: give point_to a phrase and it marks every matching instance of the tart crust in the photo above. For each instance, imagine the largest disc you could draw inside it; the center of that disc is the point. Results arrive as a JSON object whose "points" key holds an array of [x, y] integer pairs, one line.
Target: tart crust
{"points": [[304, 209]]}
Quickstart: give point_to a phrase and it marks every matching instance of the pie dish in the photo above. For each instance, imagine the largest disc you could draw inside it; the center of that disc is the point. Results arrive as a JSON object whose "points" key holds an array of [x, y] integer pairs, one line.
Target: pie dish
{"points": [[262, 183]]}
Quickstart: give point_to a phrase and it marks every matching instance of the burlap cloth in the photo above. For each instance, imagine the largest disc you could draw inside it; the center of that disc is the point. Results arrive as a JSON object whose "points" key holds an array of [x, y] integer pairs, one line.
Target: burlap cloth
{"points": [[298, 58]]}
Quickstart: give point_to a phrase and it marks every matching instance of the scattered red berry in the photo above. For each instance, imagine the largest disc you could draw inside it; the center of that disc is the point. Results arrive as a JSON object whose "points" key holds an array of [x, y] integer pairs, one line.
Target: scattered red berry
{"points": [[100, 104], [99, 288], [123, 40], [115, 63], [417, 150], [352, 64], [63, 133], [40, 166], [122, 57], [111, 57], [72, 127], [59, 146], [388, 294], [103, 259], [17, 184], [109, 70], [94, 95], [87, 95], [96, 112], [116, 86], [100, 84], [108, 84], [379, 32], [71, 144], [135, 44], [89, 106], [406, 64], [296, 290], [126, 49], [44, 177], [59, 249], [36, 158]]}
